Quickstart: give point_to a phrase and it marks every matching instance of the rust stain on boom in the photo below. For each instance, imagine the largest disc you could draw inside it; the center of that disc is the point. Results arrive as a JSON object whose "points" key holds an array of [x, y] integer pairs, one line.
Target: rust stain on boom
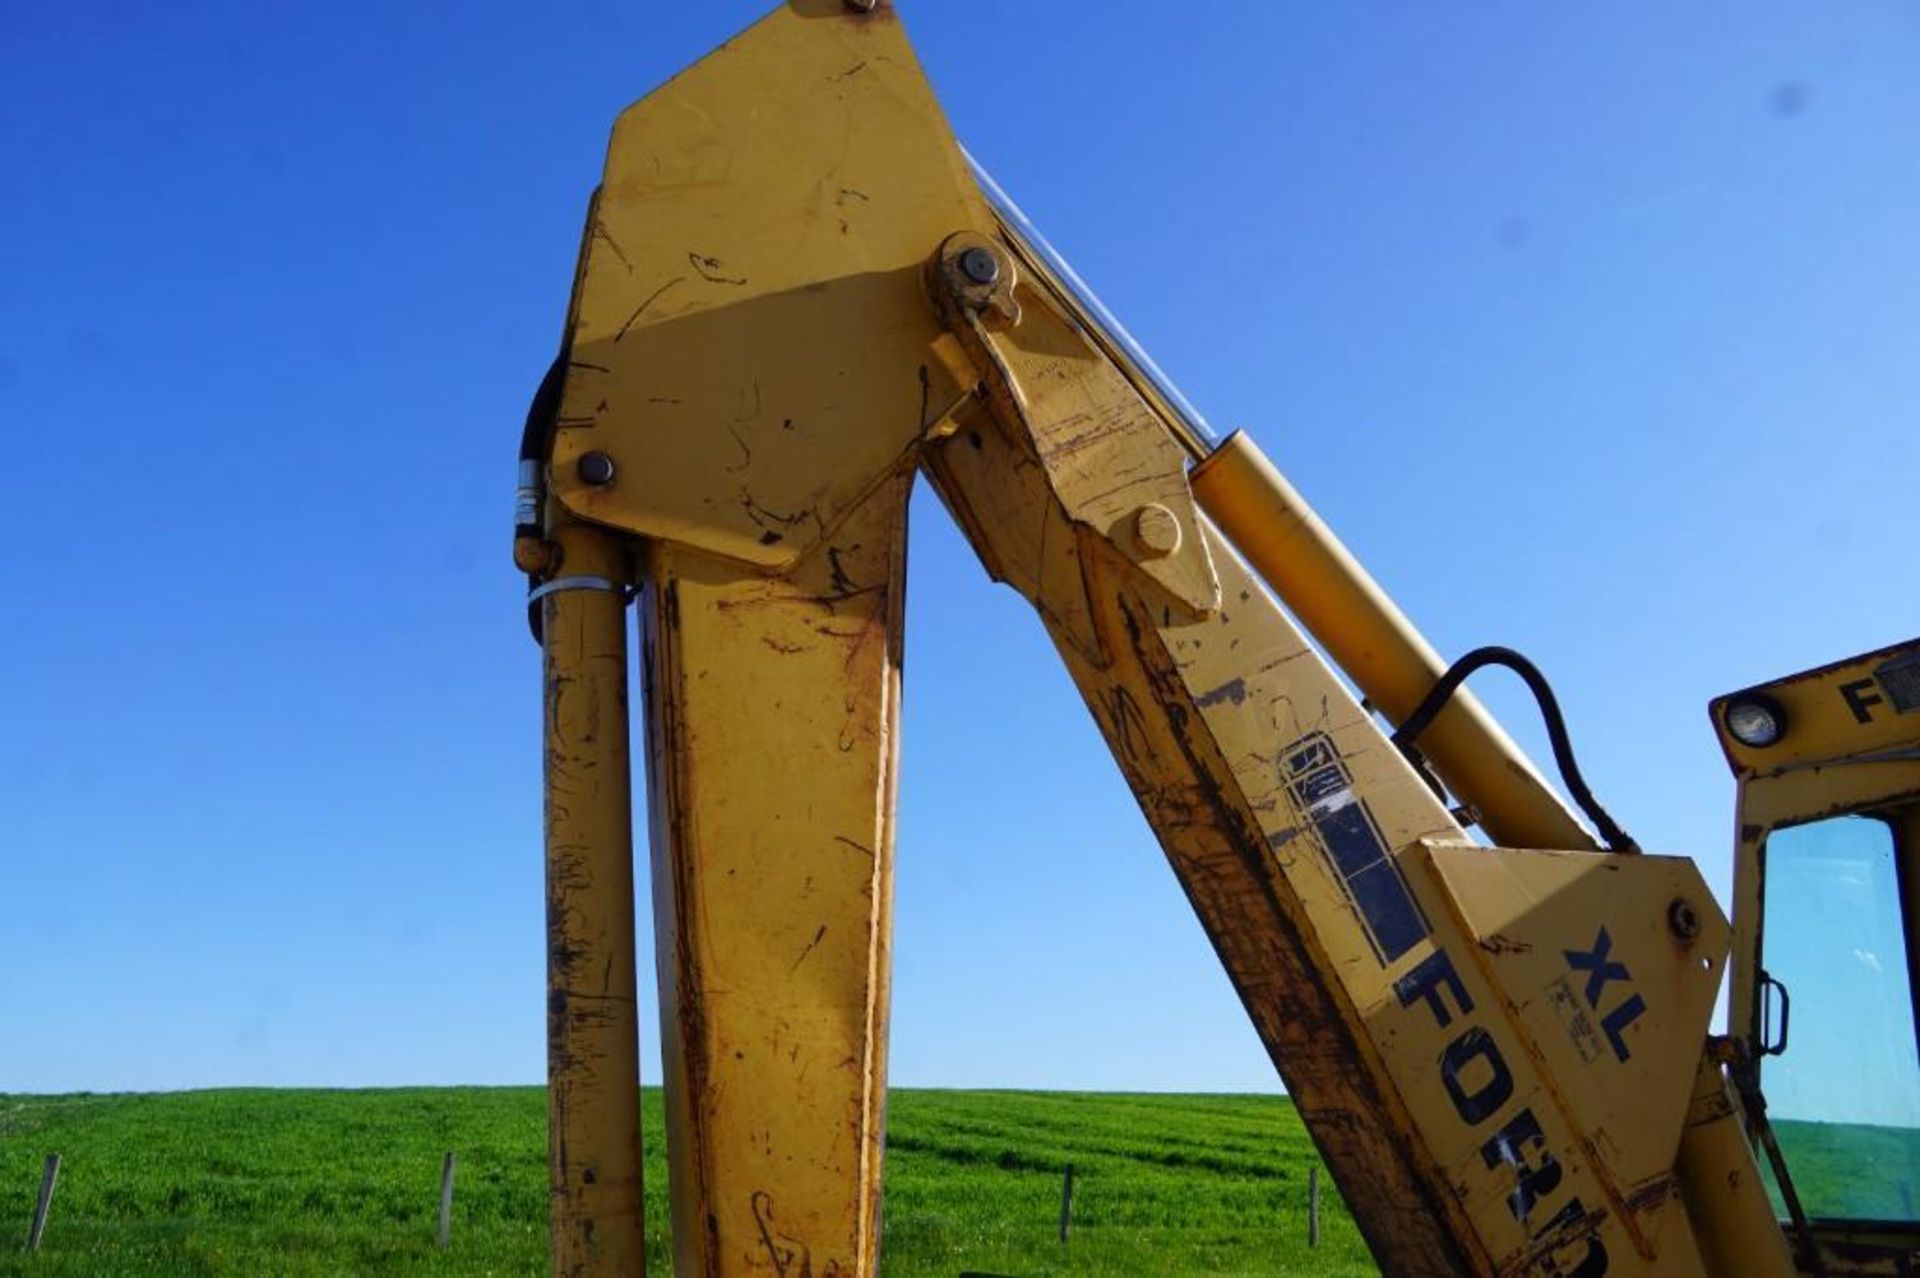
{"points": [[792, 294]]}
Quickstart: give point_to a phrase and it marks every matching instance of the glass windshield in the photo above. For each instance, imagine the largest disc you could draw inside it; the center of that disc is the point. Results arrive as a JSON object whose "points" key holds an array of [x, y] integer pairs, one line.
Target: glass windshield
{"points": [[1845, 1094]]}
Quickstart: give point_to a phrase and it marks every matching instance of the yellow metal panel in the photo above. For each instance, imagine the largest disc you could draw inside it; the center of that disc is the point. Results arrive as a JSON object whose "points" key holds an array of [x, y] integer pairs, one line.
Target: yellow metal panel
{"points": [[1733, 1219], [1209, 720], [1075, 407], [749, 342], [773, 708], [1848, 748], [1422, 1012], [1420, 1059], [1841, 711], [1590, 957], [753, 349], [1021, 534], [593, 1069]]}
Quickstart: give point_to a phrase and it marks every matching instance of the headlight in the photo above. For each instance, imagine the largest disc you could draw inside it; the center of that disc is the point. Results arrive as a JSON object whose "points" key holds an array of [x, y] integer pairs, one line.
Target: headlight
{"points": [[1755, 720]]}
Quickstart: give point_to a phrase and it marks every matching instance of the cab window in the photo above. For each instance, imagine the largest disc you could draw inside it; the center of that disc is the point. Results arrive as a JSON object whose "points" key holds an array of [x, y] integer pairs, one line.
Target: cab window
{"points": [[1844, 1092]]}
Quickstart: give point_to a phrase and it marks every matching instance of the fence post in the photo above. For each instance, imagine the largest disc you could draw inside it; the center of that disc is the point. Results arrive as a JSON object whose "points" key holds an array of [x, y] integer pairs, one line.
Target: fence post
{"points": [[1066, 1203], [446, 1200], [48, 1176], [1313, 1206]]}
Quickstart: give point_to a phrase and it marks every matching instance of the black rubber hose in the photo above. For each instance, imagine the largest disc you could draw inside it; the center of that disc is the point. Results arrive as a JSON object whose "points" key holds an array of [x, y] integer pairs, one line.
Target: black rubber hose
{"points": [[536, 437], [1616, 839]]}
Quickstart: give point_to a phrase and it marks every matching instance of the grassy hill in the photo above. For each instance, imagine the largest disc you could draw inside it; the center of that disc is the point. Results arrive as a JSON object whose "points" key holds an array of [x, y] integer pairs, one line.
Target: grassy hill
{"points": [[1851, 1169], [331, 1182]]}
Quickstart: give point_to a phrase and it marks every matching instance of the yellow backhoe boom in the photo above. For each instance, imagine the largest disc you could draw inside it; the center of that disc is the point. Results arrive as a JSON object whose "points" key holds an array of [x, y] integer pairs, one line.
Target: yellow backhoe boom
{"points": [[794, 295]]}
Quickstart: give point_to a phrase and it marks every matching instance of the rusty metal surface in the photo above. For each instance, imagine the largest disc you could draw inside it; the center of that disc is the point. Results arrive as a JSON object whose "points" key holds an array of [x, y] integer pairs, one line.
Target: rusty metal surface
{"points": [[773, 705], [755, 368], [750, 362], [593, 1069], [1210, 716], [1869, 1249], [1162, 694]]}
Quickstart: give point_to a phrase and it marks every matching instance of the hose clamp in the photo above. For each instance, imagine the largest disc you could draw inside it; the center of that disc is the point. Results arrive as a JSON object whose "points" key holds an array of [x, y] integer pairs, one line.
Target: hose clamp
{"points": [[559, 584]]}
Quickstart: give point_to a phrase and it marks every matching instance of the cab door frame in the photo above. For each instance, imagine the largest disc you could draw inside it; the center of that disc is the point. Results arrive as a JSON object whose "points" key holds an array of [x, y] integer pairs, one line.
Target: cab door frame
{"points": [[1848, 743]]}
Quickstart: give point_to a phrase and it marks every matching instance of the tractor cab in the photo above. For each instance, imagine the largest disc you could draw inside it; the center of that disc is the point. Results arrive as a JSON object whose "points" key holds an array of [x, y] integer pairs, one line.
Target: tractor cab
{"points": [[1824, 1019]]}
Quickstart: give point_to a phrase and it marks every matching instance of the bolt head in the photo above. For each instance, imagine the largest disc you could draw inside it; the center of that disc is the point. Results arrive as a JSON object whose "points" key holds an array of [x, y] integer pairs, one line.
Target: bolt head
{"points": [[1683, 919], [595, 469], [980, 265], [1157, 530]]}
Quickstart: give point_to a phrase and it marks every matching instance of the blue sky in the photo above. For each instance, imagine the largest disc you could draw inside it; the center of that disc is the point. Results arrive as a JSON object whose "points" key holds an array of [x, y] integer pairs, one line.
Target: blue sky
{"points": [[1591, 328]]}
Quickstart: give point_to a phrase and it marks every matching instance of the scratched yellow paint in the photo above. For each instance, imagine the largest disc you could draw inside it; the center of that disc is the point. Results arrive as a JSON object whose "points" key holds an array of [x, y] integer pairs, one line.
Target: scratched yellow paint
{"points": [[593, 1106], [1495, 1050]]}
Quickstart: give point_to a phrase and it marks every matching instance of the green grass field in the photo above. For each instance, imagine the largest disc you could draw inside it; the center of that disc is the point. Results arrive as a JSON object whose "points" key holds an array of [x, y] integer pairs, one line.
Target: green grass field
{"points": [[1851, 1169], [326, 1182]]}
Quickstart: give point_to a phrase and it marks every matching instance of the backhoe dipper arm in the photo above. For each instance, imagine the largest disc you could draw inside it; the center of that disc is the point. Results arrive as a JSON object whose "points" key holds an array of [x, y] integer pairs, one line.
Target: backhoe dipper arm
{"points": [[791, 296]]}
